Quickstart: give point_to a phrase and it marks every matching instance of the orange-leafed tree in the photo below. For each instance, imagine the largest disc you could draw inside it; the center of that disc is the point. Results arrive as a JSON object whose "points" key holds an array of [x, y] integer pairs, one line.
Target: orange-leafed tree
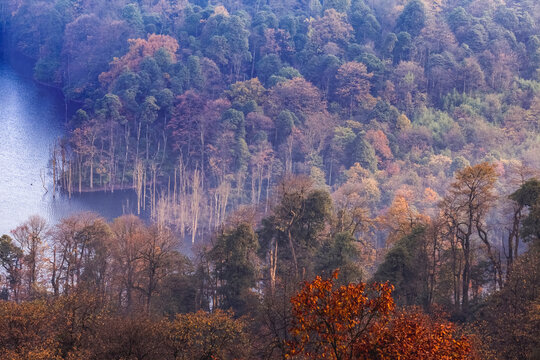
{"points": [[400, 219], [334, 323], [359, 321], [380, 143], [138, 50]]}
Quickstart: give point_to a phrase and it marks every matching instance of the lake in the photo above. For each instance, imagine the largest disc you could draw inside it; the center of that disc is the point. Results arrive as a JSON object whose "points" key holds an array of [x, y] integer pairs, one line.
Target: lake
{"points": [[31, 119]]}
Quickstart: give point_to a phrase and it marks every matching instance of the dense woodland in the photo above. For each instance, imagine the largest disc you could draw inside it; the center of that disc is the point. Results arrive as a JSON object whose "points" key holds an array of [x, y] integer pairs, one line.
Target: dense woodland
{"points": [[393, 140]]}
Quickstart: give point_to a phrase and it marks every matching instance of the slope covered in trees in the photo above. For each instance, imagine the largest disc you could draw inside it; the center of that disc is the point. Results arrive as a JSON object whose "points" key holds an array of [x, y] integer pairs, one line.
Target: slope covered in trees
{"points": [[201, 107]]}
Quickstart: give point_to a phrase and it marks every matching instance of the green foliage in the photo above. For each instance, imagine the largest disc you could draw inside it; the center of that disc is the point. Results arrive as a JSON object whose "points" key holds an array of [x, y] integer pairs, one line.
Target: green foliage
{"points": [[412, 19], [339, 5], [11, 257], [363, 153], [529, 195], [149, 110], [340, 252], [403, 47], [107, 108], [476, 37], [296, 224], [268, 66], [46, 69], [233, 256], [285, 122], [459, 18], [405, 267], [132, 15], [234, 120]]}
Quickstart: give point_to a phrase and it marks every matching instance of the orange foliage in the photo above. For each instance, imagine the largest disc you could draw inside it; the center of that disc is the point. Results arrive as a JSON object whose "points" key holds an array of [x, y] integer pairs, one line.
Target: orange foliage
{"points": [[430, 195], [415, 335], [30, 325], [337, 323], [400, 219], [358, 321], [138, 50], [380, 143]]}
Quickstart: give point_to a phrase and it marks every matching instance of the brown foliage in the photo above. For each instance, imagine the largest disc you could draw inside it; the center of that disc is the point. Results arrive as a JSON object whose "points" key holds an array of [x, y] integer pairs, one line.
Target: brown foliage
{"points": [[78, 327], [296, 95], [332, 27], [354, 85]]}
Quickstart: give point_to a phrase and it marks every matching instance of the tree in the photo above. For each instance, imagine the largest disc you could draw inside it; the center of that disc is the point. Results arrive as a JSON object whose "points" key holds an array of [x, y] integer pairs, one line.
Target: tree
{"points": [[509, 319], [11, 257], [380, 143], [233, 256], [202, 335], [157, 256], [410, 85], [298, 96], [365, 25], [465, 208], [268, 66], [292, 233], [363, 153], [403, 47], [400, 219], [132, 14], [89, 44], [242, 92], [340, 252], [194, 124], [358, 321], [79, 250], [407, 266], [334, 322], [31, 237], [129, 237], [412, 19], [354, 85], [28, 331], [528, 195], [234, 30], [332, 27]]}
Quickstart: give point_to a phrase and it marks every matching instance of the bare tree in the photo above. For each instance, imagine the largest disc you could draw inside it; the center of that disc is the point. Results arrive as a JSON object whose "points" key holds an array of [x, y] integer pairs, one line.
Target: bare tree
{"points": [[31, 237]]}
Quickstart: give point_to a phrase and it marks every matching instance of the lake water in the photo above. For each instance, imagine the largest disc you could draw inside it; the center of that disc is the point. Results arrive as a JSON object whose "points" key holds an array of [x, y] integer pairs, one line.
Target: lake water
{"points": [[31, 119]]}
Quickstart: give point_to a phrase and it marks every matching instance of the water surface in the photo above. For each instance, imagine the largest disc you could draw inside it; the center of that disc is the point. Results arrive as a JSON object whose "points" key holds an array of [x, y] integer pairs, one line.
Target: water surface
{"points": [[31, 119]]}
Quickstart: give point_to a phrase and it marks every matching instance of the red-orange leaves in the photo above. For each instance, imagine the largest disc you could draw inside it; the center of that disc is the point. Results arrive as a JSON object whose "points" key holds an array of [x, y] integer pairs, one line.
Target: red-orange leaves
{"points": [[329, 322], [358, 321], [415, 335]]}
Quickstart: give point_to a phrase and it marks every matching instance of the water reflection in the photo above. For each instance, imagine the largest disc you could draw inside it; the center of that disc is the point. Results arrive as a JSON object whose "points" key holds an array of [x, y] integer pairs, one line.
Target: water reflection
{"points": [[31, 119]]}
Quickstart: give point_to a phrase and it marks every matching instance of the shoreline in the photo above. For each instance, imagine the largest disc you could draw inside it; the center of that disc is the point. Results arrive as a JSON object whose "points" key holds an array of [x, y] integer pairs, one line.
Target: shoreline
{"points": [[24, 66], [95, 189]]}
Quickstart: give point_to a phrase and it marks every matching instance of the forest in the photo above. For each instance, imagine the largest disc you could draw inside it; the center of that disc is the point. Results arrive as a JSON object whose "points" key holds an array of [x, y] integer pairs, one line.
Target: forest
{"points": [[354, 179]]}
